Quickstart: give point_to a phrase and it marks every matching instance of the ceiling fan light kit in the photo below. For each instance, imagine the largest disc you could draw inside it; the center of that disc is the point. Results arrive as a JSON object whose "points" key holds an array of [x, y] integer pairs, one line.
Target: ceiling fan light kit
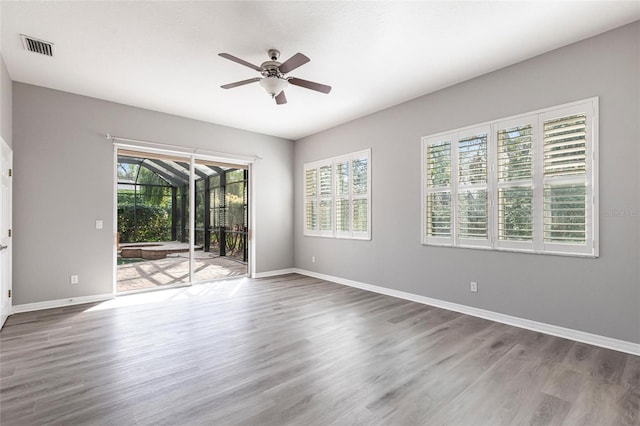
{"points": [[273, 79], [273, 85]]}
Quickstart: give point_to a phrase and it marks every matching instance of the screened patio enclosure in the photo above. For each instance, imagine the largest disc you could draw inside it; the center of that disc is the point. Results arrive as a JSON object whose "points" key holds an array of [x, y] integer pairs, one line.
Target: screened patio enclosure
{"points": [[153, 220]]}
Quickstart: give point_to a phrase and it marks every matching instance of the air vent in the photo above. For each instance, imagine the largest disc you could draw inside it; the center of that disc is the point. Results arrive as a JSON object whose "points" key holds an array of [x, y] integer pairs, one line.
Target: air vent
{"points": [[38, 46]]}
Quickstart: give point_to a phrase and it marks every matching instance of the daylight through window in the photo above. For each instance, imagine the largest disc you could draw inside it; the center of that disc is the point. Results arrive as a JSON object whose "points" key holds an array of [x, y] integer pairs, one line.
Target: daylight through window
{"points": [[524, 183], [337, 197]]}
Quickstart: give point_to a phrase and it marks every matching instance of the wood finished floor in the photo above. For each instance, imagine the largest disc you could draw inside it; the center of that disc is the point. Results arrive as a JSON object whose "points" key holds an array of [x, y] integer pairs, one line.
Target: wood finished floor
{"points": [[294, 350]]}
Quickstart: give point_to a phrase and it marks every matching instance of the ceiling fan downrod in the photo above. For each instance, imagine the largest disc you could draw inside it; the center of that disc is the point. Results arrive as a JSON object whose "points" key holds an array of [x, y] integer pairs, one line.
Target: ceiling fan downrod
{"points": [[274, 54]]}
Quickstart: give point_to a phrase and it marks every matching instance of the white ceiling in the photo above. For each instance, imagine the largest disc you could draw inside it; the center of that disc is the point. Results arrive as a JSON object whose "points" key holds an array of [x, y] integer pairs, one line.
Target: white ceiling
{"points": [[164, 55]]}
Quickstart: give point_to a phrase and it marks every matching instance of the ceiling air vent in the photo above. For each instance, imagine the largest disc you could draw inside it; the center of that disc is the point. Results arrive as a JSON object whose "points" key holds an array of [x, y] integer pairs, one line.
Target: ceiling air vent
{"points": [[37, 46]]}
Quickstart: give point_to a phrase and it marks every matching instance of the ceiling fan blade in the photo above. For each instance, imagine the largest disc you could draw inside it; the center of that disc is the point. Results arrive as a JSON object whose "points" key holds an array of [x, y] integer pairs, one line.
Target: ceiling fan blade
{"points": [[281, 98], [240, 61], [293, 62], [310, 85], [240, 83]]}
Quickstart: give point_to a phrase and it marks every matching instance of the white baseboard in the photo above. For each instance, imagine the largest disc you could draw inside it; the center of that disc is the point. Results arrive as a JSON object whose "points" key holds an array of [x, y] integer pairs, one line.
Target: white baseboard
{"points": [[273, 273], [49, 304], [567, 333]]}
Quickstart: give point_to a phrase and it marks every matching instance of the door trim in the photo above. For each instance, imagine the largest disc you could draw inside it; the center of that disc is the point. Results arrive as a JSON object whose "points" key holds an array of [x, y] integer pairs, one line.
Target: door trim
{"points": [[6, 289]]}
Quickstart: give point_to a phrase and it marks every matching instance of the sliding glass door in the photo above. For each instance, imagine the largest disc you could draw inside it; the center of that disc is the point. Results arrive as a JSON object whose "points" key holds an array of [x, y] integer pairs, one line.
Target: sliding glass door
{"points": [[179, 219], [221, 220]]}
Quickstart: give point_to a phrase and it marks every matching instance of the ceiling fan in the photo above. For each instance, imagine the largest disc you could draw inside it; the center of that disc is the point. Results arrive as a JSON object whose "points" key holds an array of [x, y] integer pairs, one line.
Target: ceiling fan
{"points": [[274, 79]]}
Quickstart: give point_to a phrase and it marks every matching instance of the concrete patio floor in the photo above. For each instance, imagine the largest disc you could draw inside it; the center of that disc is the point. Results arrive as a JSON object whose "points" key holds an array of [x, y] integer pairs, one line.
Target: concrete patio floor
{"points": [[149, 274]]}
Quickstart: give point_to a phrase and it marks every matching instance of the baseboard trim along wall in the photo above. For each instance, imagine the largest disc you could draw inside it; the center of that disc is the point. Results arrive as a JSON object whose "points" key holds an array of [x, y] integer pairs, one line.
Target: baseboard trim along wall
{"points": [[567, 333], [273, 273], [49, 304]]}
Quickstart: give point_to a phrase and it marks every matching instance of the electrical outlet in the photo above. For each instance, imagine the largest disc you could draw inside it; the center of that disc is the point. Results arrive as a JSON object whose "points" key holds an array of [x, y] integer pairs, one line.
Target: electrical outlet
{"points": [[99, 224], [313, 259], [74, 279], [473, 286]]}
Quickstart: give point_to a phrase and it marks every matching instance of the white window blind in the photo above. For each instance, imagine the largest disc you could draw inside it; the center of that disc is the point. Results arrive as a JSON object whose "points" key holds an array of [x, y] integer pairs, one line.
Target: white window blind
{"points": [[568, 180], [311, 201], [524, 183], [437, 157], [514, 176], [343, 206], [325, 216], [360, 195], [340, 205], [472, 224]]}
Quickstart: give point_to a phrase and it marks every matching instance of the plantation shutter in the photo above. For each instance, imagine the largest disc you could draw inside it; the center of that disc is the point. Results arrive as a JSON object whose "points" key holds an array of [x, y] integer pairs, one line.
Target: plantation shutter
{"points": [[337, 196], [318, 194], [472, 212], [325, 211], [437, 197], [514, 167], [524, 183], [567, 171], [360, 194], [311, 200], [342, 199]]}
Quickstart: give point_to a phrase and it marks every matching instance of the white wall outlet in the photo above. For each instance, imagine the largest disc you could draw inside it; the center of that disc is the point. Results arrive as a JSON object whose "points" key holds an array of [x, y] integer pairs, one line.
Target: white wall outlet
{"points": [[313, 259], [473, 286], [74, 279], [99, 224]]}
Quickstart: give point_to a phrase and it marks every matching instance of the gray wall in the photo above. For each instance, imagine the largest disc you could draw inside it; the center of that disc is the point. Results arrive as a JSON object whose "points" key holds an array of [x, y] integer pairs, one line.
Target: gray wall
{"points": [[5, 103], [64, 182], [600, 296]]}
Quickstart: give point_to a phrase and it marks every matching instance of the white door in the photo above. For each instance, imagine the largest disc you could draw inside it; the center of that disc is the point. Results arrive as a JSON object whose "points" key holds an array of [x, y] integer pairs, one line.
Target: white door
{"points": [[6, 164]]}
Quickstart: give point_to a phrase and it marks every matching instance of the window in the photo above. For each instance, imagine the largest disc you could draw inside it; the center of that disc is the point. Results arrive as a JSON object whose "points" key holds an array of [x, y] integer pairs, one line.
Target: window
{"points": [[472, 218], [525, 183], [514, 165], [438, 192], [337, 197]]}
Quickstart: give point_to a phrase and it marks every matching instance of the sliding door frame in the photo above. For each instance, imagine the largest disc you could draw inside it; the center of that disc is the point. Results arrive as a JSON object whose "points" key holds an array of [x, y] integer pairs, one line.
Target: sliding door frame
{"points": [[191, 157]]}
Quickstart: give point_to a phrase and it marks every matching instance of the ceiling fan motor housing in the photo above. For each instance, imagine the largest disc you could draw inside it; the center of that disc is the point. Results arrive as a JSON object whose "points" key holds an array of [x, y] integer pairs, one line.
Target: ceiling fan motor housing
{"points": [[270, 69]]}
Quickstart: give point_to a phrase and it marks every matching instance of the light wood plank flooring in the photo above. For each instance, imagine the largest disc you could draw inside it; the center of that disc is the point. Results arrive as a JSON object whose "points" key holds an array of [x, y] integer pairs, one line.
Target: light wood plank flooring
{"points": [[294, 350]]}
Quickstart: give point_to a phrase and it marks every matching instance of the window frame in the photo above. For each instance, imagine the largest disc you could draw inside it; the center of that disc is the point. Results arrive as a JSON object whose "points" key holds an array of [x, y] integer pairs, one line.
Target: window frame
{"points": [[537, 244], [335, 196]]}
